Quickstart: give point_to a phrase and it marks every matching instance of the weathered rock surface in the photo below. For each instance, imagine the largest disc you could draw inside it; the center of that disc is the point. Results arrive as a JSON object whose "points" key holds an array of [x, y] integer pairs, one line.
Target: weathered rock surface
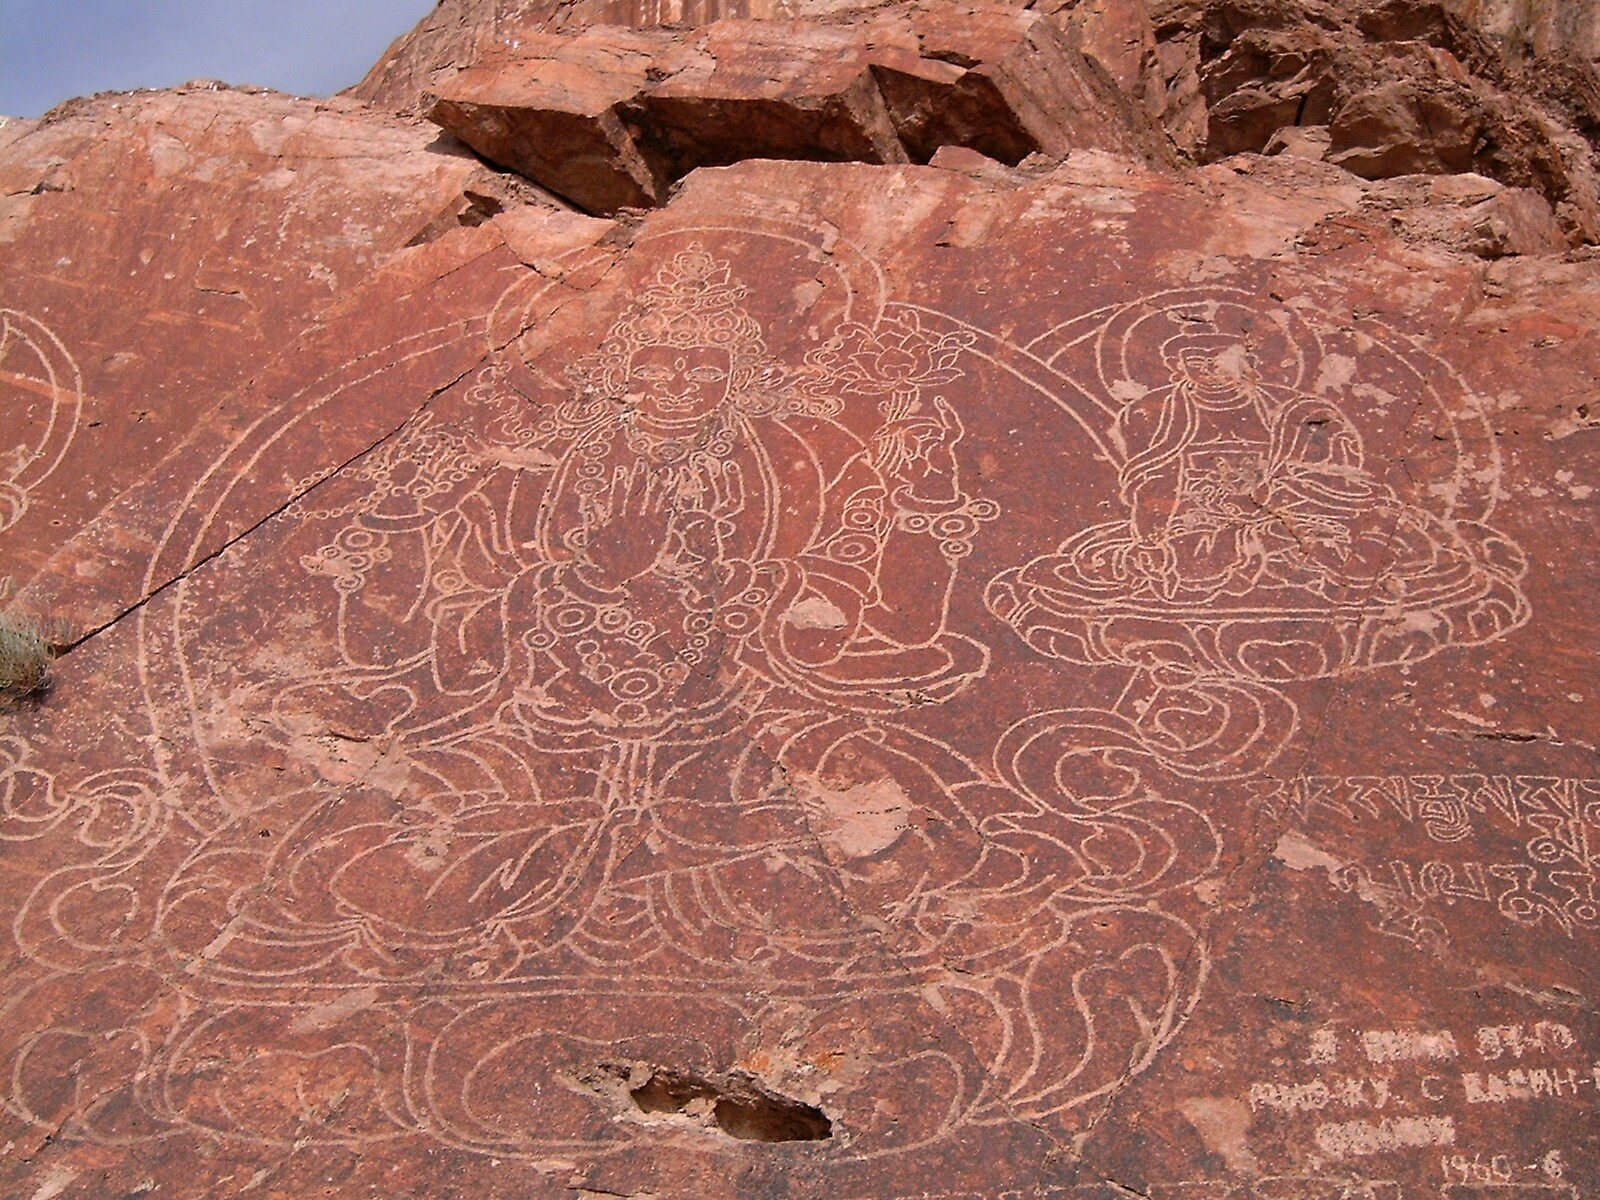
{"points": [[611, 118], [161, 248], [957, 673], [1401, 90], [1383, 89]]}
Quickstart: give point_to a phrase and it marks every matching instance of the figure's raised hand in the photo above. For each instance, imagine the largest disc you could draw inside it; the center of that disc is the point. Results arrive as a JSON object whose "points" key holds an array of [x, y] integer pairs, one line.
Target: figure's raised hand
{"points": [[940, 452], [721, 483], [917, 452], [633, 527]]}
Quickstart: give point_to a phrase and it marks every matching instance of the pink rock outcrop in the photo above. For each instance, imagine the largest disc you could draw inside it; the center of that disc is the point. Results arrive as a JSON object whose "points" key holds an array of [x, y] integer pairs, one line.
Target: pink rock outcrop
{"points": [[611, 118], [741, 601]]}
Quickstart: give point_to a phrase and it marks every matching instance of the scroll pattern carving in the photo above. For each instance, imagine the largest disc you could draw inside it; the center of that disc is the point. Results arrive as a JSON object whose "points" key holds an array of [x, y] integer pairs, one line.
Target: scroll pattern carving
{"points": [[709, 693]]}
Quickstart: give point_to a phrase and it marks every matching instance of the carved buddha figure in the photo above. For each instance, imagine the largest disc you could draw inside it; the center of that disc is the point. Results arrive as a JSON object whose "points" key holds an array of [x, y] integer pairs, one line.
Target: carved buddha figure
{"points": [[1232, 486], [622, 579], [709, 506], [665, 610], [1257, 542]]}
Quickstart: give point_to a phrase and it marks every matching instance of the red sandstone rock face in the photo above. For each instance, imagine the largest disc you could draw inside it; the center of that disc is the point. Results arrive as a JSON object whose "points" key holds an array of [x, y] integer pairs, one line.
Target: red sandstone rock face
{"points": [[866, 679], [1382, 89], [611, 118], [160, 249]]}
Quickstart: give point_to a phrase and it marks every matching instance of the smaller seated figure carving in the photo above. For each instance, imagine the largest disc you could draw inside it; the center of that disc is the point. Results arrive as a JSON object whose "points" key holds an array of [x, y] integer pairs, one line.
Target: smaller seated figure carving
{"points": [[1258, 542], [1228, 489]]}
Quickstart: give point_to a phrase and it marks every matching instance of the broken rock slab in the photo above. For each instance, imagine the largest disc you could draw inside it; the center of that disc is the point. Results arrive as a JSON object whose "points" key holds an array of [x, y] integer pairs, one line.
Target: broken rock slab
{"points": [[610, 118], [552, 115], [1396, 88]]}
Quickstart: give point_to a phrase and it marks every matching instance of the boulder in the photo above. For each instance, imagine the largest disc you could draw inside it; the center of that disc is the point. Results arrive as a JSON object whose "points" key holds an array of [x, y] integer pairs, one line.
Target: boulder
{"points": [[612, 118]]}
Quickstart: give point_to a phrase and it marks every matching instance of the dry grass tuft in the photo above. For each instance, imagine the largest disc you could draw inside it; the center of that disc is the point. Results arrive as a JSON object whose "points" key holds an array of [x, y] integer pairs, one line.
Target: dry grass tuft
{"points": [[25, 658], [27, 649]]}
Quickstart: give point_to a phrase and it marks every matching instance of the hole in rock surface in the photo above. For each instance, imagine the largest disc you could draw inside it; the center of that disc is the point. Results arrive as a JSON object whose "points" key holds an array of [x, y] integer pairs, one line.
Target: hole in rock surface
{"points": [[739, 1109], [766, 1119]]}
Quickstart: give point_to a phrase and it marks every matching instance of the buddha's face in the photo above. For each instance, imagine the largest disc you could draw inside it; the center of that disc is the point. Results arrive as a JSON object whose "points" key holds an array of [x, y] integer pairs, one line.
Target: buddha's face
{"points": [[675, 385], [1213, 370]]}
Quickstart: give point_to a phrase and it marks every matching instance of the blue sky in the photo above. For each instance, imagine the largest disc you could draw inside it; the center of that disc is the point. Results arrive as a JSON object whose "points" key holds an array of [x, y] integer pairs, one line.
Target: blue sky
{"points": [[51, 50]]}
